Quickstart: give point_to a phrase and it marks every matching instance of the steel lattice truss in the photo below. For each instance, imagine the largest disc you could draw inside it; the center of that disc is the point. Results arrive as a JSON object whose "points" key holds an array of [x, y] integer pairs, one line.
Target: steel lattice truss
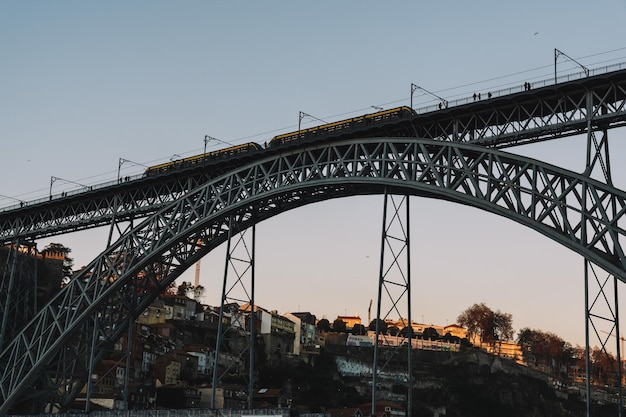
{"points": [[591, 104], [48, 360], [551, 112]]}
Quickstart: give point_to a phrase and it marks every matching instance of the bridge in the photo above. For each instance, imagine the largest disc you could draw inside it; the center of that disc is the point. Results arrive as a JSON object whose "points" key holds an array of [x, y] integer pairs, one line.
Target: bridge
{"points": [[161, 225]]}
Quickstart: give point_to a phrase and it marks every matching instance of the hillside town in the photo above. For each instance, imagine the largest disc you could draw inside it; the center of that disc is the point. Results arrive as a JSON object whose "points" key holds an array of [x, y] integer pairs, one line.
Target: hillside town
{"points": [[168, 358]]}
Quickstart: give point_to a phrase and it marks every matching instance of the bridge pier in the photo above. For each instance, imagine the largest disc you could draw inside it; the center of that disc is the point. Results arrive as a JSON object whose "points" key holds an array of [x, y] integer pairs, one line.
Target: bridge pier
{"points": [[394, 284], [602, 309], [237, 288]]}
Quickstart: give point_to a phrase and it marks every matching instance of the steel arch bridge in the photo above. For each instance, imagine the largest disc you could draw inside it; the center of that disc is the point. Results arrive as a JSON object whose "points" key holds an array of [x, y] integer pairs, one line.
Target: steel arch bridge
{"points": [[51, 355]]}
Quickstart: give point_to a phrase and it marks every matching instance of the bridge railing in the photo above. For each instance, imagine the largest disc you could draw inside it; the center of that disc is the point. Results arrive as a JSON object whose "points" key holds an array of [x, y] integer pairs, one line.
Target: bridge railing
{"points": [[483, 94], [70, 192]]}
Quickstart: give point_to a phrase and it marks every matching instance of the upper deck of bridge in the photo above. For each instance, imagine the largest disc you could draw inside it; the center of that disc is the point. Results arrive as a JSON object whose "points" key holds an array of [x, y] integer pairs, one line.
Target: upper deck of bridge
{"points": [[435, 121]]}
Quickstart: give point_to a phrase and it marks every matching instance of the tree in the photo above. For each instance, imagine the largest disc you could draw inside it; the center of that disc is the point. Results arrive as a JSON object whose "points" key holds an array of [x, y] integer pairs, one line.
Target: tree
{"points": [[477, 320], [185, 288], [603, 367], [359, 329], [323, 325], [382, 326], [339, 325], [489, 326], [406, 331], [546, 350], [430, 333], [502, 328], [68, 263], [198, 293], [170, 290]]}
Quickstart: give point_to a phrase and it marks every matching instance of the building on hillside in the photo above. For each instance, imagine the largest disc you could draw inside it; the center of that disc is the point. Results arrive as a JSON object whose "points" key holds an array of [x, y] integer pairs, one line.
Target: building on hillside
{"points": [[167, 370], [418, 328], [141, 396], [228, 396], [384, 409], [35, 278], [204, 357], [165, 330], [107, 382], [346, 412], [455, 330], [178, 396], [350, 321], [509, 350], [210, 317], [280, 341], [179, 307], [154, 314], [306, 335], [188, 365], [277, 333], [269, 398]]}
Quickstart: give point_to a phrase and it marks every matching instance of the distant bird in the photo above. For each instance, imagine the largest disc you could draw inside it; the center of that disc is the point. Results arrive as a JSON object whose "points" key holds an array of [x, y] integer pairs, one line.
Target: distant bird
{"points": [[376, 107], [536, 33]]}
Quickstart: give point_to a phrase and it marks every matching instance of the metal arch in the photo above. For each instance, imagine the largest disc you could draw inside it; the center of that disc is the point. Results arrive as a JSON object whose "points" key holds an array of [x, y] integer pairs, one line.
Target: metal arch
{"points": [[124, 279]]}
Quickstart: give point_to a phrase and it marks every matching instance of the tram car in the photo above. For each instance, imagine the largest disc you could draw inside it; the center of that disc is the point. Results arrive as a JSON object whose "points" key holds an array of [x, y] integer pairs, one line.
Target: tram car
{"points": [[198, 160], [348, 127], [375, 124]]}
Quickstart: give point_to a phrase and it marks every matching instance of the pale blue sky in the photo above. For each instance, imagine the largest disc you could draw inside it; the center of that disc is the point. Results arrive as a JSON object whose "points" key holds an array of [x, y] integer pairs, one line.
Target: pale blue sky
{"points": [[85, 83]]}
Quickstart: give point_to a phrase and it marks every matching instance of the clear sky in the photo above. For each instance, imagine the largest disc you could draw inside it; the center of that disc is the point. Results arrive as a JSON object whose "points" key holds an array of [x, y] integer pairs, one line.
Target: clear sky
{"points": [[85, 83]]}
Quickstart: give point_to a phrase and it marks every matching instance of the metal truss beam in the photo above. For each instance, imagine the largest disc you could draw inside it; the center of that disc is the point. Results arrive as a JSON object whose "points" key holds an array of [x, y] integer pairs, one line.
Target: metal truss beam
{"points": [[123, 280], [595, 103], [531, 116]]}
